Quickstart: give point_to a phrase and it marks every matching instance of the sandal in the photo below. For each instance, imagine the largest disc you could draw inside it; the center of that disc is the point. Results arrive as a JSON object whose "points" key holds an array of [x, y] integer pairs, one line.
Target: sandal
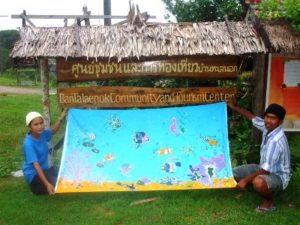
{"points": [[260, 209]]}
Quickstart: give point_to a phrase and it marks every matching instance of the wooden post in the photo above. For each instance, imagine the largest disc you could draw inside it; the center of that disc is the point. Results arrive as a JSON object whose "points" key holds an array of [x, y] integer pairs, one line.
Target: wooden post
{"points": [[86, 13], [107, 12], [259, 95], [78, 22], [26, 19], [45, 87], [23, 19], [65, 22], [46, 103], [18, 77]]}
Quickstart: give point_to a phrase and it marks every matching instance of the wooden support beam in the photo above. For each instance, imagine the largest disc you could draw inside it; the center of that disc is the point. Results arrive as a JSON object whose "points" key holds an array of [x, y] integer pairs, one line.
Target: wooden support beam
{"points": [[78, 22], [46, 101], [107, 12], [231, 32], [87, 14], [85, 17], [65, 22], [25, 19], [67, 16], [259, 95], [45, 86]]}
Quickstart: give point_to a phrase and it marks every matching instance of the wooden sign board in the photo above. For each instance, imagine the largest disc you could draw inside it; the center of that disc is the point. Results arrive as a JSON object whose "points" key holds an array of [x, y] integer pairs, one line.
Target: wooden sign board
{"points": [[25, 63], [124, 97], [212, 67]]}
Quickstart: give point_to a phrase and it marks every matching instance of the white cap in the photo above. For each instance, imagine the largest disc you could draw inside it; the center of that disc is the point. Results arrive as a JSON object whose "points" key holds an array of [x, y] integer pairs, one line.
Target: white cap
{"points": [[31, 116]]}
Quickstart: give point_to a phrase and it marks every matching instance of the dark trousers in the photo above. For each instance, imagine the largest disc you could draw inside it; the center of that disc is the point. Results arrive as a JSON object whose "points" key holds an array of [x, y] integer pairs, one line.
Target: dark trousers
{"points": [[37, 187]]}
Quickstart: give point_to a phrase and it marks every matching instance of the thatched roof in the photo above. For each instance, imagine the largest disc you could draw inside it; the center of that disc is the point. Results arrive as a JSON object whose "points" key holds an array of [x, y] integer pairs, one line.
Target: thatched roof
{"points": [[281, 38], [125, 41]]}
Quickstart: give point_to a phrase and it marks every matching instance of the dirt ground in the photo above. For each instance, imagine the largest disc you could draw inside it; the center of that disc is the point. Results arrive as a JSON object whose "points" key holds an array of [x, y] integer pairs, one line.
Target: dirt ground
{"points": [[22, 90]]}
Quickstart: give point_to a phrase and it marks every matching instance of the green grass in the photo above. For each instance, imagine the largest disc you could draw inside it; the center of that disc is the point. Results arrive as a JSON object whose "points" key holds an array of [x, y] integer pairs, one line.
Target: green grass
{"points": [[5, 80], [13, 77], [223, 206]]}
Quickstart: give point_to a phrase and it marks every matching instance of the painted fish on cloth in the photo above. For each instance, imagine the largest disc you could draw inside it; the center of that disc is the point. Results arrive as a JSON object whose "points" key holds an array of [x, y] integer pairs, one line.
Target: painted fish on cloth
{"points": [[173, 127], [207, 169], [144, 181], [90, 136], [109, 157], [171, 166], [140, 138], [114, 122], [164, 151], [125, 169], [210, 141]]}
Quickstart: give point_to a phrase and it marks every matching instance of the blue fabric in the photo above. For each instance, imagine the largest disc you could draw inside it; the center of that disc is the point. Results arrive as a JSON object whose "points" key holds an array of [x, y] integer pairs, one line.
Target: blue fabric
{"points": [[274, 152], [146, 149], [35, 151]]}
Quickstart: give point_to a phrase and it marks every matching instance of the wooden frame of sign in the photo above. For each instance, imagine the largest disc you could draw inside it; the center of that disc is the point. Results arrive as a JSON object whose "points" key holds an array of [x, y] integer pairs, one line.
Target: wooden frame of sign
{"points": [[81, 70]]}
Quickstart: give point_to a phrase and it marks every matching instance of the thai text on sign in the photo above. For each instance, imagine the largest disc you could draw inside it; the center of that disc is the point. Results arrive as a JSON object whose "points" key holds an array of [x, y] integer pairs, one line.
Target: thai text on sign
{"points": [[204, 67]]}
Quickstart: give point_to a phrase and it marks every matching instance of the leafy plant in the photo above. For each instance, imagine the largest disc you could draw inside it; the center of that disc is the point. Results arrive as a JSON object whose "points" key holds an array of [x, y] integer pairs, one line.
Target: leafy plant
{"points": [[7, 39], [204, 10], [242, 148], [281, 10]]}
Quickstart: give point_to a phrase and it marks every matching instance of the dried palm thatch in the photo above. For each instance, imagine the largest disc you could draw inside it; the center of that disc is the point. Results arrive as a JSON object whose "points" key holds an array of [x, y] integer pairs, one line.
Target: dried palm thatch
{"points": [[282, 38], [148, 40]]}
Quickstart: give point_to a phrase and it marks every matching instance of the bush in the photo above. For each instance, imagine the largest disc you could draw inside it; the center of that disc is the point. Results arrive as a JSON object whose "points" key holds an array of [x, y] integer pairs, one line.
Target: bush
{"points": [[278, 10], [243, 149]]}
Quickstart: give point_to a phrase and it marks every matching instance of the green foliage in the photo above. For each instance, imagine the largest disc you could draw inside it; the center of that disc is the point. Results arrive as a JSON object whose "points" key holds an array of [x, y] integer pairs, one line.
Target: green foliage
{"points": [[161, 82], [279, 10], [292, 11], [8, 79], [243, 149], [14, 77], [7, 39], [204, 10], [4, 59], [294, 142]]}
